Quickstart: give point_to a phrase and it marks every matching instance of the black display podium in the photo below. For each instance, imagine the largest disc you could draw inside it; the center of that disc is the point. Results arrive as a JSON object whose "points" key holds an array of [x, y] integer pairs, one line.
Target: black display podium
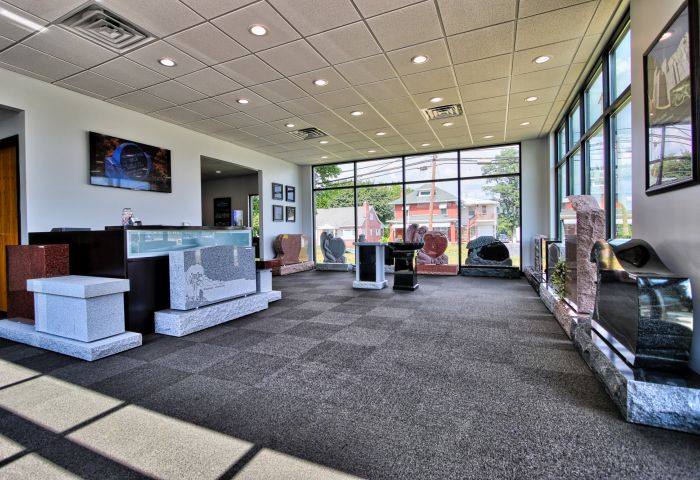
{"points": [[405, 272]]}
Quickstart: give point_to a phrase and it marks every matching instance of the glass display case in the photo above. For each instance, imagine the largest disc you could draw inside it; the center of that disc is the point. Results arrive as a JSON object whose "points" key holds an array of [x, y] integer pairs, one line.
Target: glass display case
{"points": [[159, 242]]}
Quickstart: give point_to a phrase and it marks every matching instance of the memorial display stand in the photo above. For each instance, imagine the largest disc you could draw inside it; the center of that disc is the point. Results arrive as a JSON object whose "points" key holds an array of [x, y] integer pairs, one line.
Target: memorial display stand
{"points": [[405, 271], [369, 271], [292, 254]]}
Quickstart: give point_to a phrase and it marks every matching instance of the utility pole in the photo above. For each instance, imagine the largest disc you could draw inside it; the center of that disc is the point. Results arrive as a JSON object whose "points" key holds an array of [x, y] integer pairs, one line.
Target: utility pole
{"points": [[432, 194]]}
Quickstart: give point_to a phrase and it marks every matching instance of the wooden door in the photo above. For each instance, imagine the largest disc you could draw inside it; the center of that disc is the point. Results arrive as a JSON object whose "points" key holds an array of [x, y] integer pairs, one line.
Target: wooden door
{"points": [[9, 216]]}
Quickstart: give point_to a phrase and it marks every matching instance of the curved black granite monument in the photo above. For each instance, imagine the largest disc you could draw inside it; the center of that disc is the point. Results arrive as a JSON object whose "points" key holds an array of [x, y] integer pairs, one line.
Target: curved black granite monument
{"points": [[489, 257], [642, 309]]}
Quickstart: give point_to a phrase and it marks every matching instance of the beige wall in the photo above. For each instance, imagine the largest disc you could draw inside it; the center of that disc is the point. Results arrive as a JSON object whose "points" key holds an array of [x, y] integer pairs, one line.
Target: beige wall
{"points": [[238, 188]]}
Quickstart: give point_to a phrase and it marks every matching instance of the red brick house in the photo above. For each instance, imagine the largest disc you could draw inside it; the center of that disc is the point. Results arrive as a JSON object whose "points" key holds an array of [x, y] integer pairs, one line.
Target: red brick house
{"points": [[340, 222]]}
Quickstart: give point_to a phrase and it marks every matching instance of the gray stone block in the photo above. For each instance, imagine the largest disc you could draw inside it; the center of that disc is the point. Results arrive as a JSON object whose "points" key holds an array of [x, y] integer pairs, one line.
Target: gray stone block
{"points": [[334, 267], [78, 286], [204, 276], [178, 323], [369, 285], [274, 295], [90, 351], [264, 280]]}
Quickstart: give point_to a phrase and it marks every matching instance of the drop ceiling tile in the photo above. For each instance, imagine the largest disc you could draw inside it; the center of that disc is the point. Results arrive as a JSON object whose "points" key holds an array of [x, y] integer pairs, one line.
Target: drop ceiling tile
{"points": [[313, 16], [465, 15], [236, 25], [274, 149], [479, 130], [141, 102], [545, 95], [248, 70], [13, 30], [435, 50], [208, 44], [367, 70], [449, 95], [384, 90], [209, 82], [149, 55], [303, 106], [279, 90], [158, 17], [125, 71], [526, 113], [80, 90], [208, 126], [293, 58], [354, 137], [261, 130], [268, 113], [213, 8], [48, 10], [254, 100], [328, 122], [346, 43], [362, 145], [441, 78], [487, 117], [482, 70], [370, 8], [535, 122], [306, 81], [395, 105], [69, 47], [586, 49], [561, 53], [238, 120], [296, 121], [485, 105], [564, 92], [603, 15], [370, 119], [483, 43], [97, 84], [282, 138], [407, 26], [37, 62], [174, 92], [553, 27], [341, 98], [404, 118], [458, 123], [412, 129], [488, 89], [209, 107], [575, 70], [541, 79], [529, 8]]}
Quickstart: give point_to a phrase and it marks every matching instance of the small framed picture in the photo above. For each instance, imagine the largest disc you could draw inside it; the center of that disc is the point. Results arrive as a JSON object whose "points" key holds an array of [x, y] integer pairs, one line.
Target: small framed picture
{"points": [[291, 214], [277, 213], [291, 193], [277, 191]]}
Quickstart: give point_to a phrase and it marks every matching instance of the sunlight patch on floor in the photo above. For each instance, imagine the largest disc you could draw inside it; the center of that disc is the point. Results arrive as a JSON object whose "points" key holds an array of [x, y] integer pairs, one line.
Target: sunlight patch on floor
{"points": [[270, 465]]}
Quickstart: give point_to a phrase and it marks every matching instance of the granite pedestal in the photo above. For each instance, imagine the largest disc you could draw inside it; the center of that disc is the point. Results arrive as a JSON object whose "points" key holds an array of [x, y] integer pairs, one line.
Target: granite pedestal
{"points": [[263, 280], [25, 262], [430, 269], [334, 267], [489, 271], [292, 268], [369, 271]]}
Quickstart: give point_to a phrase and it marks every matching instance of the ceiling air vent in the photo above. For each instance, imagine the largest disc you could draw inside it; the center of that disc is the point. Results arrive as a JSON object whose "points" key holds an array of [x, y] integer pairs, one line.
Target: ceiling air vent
{"points": [[443, 111], [308, 133], [106, 29]]}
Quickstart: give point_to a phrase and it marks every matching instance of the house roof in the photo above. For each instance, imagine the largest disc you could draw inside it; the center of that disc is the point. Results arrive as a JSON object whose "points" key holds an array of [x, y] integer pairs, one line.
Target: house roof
{"points": [[339, 217], [441, 196]]}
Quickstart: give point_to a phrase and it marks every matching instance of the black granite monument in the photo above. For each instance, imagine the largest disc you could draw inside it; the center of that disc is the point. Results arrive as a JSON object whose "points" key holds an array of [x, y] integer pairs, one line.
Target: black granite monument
{"points": [[405, 271], [489, 257]]}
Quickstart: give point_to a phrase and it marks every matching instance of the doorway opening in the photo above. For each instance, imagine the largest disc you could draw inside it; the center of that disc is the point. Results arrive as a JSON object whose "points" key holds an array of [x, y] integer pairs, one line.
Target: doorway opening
{"points": [[10, 219], [231, 197]]}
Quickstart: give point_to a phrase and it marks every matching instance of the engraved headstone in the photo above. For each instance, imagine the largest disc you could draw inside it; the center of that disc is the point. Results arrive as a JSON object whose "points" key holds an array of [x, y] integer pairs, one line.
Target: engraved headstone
{"points": [[333, 248]]}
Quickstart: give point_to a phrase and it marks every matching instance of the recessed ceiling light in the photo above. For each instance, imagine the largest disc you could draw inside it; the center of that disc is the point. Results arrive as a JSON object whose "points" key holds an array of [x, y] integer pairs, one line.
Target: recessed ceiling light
{"points": [[21, 20], [487, 137], [436, 99], [448, 124], [320, 82], [258, 30], [356, 113], [418, 59], [543, 59], [324, 157], [525, 124], [424, 144], [371, 151], [218, 171], [167, 62], [289, 125], [243, 101], [323, 142], [380, 134], [532, 99], [666, 36]]}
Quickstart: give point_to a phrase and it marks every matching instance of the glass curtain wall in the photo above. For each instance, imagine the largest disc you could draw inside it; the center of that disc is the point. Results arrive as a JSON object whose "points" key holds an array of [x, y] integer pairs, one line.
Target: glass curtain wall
{"points": [[596, 159], [379, 199]]}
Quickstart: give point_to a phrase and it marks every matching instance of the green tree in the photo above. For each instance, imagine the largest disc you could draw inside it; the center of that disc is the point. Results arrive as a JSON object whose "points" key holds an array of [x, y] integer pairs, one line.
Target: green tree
{"points": [[255, 215], [505, 189]]}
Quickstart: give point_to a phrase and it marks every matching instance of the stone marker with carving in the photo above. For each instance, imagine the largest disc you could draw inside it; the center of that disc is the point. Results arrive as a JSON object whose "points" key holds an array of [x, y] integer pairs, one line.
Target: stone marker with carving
{"points": [[292, 254], [431, 259], [489, 257]]}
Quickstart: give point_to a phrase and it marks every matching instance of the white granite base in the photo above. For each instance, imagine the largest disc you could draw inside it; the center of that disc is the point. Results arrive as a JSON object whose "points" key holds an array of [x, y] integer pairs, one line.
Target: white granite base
{"points": [[273, 295], [263, 280], [81, 319], [90, 351], [178, 323], [549, 298], [369, 285], [334, 267]]}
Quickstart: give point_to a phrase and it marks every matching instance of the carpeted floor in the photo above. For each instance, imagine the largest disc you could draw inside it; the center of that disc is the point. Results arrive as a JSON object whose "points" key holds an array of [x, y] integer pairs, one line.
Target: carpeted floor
{"points": [[464, 378]]}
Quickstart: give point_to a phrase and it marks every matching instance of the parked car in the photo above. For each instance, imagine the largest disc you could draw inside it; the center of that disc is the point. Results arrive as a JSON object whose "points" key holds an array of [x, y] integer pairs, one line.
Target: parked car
{"points": [[504, 238]]}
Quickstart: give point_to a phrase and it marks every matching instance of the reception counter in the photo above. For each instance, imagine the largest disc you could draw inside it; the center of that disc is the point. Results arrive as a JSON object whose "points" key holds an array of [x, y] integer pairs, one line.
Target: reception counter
{"points": [[139, 254]]}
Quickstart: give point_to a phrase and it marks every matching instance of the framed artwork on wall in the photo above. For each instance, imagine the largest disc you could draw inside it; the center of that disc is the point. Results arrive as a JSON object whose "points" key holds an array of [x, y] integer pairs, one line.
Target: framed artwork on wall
{"points": [[277, 191], [671, 113], [291, 214], [290, 193], [277, 213], [222, 212]]}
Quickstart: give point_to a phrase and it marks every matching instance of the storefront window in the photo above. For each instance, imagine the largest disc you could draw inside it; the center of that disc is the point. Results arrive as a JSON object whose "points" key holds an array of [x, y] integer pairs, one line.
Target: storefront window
{"points": [[620, 67], [622, 160], [595, 171], [594, 100]]}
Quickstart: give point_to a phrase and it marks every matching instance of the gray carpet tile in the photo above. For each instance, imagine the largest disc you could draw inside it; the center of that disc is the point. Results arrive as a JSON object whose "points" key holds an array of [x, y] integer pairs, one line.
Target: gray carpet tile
{"points": [[463, 378]]}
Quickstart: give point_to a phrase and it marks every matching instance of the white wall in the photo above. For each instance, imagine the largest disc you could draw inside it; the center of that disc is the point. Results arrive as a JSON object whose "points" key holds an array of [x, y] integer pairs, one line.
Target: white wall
{"points": [[56, 122], [668, 221], [534, 177], [238, 188]]}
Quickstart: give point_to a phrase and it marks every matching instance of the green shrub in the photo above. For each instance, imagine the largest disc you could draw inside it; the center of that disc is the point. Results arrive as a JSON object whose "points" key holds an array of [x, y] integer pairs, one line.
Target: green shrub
{"points": [[559, 278]]}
